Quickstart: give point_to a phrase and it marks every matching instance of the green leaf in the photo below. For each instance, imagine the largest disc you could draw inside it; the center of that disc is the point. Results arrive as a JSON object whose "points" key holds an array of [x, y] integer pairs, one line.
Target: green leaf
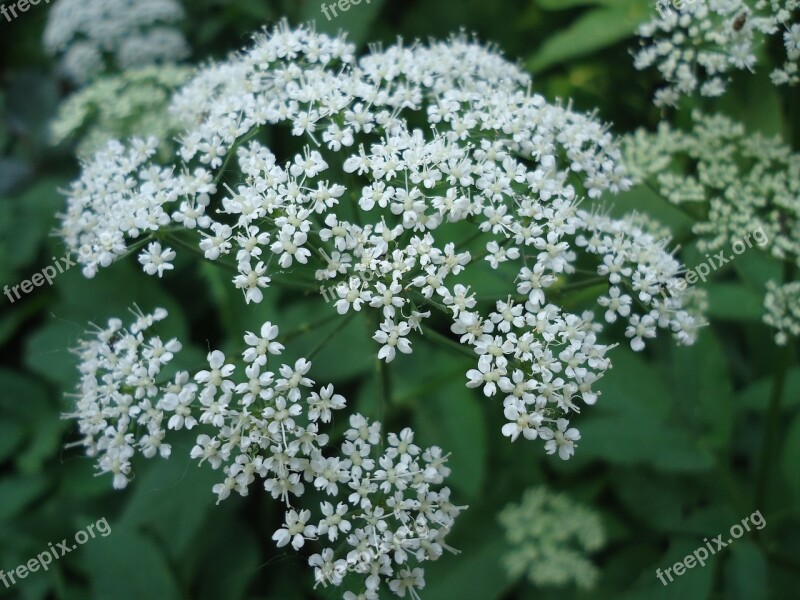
{"points": [[630, 440], [172, 498], [756, 396], [657, 500], [452, 419], [16, 317], [756, 268], [11, 436], [642, 198], [34, 216], [47, 351], [356, 19], [593, 31], [631, 425], [704, 402], [112, 293], [226, 574], [475, 573], [17, 493], [126, 565], [36, 418], [755, 90], [746, 573], [734, 302], [350, 340], [693, 584]]}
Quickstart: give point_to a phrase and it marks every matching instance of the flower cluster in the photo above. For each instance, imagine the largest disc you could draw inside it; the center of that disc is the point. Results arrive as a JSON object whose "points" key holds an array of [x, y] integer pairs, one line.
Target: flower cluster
{"points": [[733, 183], [700, 45], [91, 35], [383, 510], [782, 305], [119, 107], [550, 537], [397, 216], [120, 404]]}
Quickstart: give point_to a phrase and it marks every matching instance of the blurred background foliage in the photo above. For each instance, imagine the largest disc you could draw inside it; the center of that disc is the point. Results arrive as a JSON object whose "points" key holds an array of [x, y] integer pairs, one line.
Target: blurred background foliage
{"points": [[674, 452]]}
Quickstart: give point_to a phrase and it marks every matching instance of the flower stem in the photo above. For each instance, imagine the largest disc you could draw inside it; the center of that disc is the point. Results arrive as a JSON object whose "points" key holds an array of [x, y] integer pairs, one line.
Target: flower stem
{"points": [[332, 334], [772, 425], [432, 334], [293, 281], [384, 381]]}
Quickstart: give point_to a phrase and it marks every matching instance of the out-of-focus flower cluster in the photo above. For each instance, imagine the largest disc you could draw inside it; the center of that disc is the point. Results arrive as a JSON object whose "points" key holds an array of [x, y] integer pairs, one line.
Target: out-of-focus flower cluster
{"points": [[551, 538], [384, 509], [782, 304], [734, 183], [423, 164], [120, 106], [93, 36], [697, 47]]}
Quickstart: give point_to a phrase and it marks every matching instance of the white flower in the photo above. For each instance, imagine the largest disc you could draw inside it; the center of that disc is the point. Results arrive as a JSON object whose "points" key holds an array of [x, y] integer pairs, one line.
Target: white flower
{"points": [[393, 337], [295, 530], [261, 346], [639, 329], [333, 522], [155, 260], [321, 404], [289, 247], [521, 422], [562, 439]]}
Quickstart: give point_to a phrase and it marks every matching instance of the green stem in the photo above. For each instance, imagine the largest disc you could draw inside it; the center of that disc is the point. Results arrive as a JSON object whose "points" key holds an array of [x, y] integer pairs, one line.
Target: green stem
{"points": [[292, 281], [333, 332], [197, 251], [308, 327], [772, 425], [383, 379], [433, 384], [432, 334], [463, 245], [249, 136]]}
